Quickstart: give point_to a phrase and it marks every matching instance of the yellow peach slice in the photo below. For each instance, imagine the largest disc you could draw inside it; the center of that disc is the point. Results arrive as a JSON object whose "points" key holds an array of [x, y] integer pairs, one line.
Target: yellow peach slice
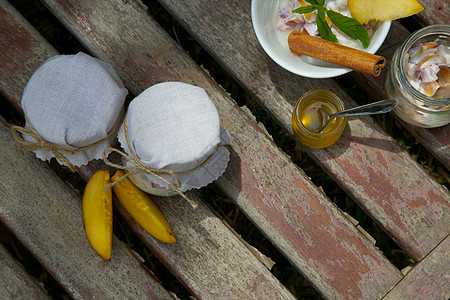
{"points": [[97, 213], [429, 88], [142, 209], [381, 10], [444, 75]]}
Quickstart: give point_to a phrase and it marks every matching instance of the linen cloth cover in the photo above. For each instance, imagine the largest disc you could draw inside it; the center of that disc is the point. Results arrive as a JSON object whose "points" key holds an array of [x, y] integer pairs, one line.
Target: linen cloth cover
{"points": [[74, 100], [174, 125]]}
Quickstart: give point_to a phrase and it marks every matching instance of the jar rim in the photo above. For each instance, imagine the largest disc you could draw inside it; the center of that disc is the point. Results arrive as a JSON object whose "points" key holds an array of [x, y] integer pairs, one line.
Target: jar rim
{"points": [[340, 121], [438, 30]]}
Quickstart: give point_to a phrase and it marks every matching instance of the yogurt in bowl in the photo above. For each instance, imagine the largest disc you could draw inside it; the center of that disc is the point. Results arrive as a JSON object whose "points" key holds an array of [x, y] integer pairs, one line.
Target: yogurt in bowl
{"points": [[273, 21]]}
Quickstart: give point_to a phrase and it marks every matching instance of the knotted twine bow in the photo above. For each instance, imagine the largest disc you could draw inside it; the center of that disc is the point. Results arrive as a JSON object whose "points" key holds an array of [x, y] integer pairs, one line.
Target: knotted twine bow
{"points": [[57, 150], [138, 167]]}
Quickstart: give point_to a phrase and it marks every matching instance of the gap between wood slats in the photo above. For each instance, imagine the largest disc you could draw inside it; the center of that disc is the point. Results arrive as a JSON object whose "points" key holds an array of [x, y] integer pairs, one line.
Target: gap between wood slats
{"points": [[63, 41], [282, 139], [189, 15]]}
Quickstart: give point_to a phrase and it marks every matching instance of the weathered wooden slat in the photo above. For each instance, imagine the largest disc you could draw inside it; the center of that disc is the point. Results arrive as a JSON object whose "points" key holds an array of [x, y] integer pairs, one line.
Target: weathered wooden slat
{"points": [[273, 192], [429, 279], [45, 215], [366, 162], [435, 12], [19, 44], [207, 255], [15, 282], [40, 209], [436, 140]]}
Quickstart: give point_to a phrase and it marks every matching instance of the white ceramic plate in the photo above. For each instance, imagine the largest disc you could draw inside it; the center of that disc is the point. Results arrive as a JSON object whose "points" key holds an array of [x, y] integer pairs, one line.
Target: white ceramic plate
{"points": [[264, 16]]}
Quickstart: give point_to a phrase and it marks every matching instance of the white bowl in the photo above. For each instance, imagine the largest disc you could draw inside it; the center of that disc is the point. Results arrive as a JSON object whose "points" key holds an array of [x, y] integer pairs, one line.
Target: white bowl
{"points": [[264, 17]]}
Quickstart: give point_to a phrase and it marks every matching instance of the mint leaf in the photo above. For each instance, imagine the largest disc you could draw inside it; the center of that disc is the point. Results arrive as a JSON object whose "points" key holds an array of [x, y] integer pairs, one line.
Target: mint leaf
{"points": [[313, 2], [322, 25], [350, 27], [305, 9], [316, 2]]}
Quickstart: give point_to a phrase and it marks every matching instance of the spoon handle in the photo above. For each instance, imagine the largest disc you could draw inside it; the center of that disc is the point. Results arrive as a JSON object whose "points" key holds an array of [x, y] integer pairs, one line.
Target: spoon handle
{"points": [[378, 107]]}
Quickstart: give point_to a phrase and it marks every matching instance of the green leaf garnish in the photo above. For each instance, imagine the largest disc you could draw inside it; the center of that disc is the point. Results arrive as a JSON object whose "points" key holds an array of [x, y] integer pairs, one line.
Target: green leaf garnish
{"points": [[322, 25], [306, 9], [347, 25], [313, 2], [316, 2], [350, 27]]}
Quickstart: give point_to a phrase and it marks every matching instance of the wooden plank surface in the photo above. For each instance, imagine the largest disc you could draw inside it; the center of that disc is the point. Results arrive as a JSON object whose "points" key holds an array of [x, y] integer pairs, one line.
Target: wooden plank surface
{"points": [[435, 12], [429, 279], [369, 165], [40, 209], [45, 215], [299, 219], [206, 252], [20, 43], [15, 282], [436, 140]]}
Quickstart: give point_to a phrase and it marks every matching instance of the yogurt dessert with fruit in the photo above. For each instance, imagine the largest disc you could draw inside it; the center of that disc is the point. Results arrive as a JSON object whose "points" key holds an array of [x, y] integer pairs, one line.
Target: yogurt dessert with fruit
{"points": [[345, 29], [288, 21], [428, 69]]}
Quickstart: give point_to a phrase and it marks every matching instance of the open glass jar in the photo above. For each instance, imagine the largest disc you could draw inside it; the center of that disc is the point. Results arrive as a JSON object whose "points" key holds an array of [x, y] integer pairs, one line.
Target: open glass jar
{"points": [[306, 119], [413, 106]]}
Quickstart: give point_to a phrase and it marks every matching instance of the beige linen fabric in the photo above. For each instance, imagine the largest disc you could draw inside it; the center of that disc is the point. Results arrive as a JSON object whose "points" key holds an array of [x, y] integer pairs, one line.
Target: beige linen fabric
{"points": [[173, 125], [73, 100]]}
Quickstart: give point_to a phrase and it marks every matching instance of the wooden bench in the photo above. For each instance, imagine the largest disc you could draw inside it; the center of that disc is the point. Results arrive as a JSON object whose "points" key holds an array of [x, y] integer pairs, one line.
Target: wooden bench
{"points": [[210, 260]]}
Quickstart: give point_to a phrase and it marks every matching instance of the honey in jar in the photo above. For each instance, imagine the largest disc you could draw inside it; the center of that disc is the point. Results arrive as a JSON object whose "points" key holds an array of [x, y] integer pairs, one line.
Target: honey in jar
{"points": [[307, 119]]}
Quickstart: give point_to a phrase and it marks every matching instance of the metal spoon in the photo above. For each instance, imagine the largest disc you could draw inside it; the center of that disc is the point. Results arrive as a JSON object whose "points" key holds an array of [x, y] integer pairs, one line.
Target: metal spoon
{"points": [[379, 107]]}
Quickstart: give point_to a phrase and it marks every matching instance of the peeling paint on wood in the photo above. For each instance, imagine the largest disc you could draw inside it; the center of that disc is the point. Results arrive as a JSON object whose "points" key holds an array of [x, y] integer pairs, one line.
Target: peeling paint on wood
{"points": [[429, 279], [434, 139], [21, 51], [365, 162], [296, 216], [206, 252], [15, 282], [45, 215]]}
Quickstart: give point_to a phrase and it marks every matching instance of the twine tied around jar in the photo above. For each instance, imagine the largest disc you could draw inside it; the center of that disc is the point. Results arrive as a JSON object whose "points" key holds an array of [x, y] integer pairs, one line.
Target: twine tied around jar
{"points": [[139, 167], [57, 150]]}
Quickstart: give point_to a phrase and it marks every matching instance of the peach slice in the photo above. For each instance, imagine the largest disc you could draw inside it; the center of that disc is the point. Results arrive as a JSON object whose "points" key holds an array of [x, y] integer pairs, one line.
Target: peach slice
{"points": [[381, 10], [142, 209], [97, 213]]}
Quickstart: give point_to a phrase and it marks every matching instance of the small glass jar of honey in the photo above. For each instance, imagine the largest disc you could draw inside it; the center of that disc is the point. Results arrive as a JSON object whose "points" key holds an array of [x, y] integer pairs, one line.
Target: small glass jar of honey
{"points": [[307, 119]]}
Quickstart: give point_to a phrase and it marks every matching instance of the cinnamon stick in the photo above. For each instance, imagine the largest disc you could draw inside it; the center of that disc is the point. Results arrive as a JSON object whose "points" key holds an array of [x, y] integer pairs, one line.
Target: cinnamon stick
{"points": [[301, 43]]}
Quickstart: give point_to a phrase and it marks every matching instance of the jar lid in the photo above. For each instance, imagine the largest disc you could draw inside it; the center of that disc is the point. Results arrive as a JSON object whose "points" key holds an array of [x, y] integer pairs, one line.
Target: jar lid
{"points": [[73, 101], [175, 126]]}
